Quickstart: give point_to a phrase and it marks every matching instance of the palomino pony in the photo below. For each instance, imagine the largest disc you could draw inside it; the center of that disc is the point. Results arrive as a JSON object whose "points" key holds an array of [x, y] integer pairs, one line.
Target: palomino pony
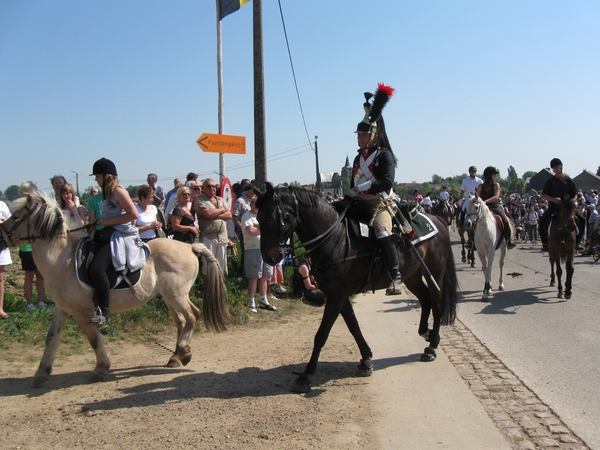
{"points": [[488, 238], [170, 272], [341, 264], [561, 245]]}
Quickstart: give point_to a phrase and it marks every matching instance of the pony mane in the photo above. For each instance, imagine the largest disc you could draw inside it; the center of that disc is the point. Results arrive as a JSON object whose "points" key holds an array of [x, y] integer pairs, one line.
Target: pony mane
{"points": [[46, 218]]}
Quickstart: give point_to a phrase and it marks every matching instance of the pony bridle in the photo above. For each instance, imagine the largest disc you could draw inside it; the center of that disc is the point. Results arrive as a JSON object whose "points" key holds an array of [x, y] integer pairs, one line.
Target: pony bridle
{"points": [[476, 214], [7, 237]]}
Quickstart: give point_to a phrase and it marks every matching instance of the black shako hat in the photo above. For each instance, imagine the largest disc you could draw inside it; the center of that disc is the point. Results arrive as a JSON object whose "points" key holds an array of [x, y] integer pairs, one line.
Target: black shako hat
{"points": [[555, 162], [104, 167]]}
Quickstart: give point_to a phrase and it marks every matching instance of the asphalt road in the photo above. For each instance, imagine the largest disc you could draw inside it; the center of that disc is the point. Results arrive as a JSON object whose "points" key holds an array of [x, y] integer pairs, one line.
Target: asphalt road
{"points": [[551, 344]]}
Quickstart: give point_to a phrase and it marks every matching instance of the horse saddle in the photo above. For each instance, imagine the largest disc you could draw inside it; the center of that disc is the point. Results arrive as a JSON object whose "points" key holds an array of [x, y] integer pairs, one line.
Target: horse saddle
{"points": [[424, 227], [117, 280]]}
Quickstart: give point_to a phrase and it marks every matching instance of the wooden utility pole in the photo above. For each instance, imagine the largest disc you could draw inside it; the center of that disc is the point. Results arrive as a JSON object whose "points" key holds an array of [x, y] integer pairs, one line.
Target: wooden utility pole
{"points": [[260, 152]]}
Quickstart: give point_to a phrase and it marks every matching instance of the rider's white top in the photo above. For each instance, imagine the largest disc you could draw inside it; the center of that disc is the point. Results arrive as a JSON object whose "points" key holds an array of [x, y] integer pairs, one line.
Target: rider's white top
{"points": [[444, 195], [469, 185]]}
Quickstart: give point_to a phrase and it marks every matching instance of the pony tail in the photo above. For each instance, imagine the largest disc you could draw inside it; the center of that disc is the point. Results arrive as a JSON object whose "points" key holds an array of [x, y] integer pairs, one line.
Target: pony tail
{"points": [[109, 185]]}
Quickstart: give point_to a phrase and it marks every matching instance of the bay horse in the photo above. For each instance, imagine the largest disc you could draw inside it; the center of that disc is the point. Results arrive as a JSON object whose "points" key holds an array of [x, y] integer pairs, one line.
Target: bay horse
{"points": [[170, 272], [341, 264], [467, 251], [442, 211], [562, 244], [488, 239]]}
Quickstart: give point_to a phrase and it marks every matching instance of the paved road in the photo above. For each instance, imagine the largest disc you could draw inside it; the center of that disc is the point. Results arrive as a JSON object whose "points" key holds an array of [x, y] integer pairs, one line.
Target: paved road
{"points": [[552, 345]]}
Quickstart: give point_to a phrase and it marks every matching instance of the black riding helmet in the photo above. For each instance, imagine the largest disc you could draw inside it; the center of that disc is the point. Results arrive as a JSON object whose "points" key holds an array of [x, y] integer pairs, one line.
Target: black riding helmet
{"points": [[555, 162], [489, 171], [472, 169], [104, 167]]}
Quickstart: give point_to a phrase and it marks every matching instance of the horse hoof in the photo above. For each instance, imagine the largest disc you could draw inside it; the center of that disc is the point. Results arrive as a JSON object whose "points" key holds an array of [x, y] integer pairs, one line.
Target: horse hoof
{"points": [[568, 296], [560, 295], [301, 385], [174, 361], [95, 378], [501, 287], [186, 359], [552, 284], [38, 380], [464, 260], [365, 368], [428, 355]]}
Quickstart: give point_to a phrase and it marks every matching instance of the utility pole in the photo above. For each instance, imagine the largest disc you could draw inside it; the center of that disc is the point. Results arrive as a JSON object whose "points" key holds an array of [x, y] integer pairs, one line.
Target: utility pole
{"points": [[220, 90], [76, 181], [318, 185], [260, 152]]}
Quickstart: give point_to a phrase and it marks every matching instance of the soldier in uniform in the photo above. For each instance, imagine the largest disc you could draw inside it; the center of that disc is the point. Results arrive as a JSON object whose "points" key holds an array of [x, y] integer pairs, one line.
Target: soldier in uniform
{"points": [[373, 174]]}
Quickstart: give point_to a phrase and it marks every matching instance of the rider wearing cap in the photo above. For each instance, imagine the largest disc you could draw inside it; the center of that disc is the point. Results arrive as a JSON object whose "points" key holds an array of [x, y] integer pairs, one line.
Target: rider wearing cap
{"points": [[468, 187], [373, 173], [489, 192], [118, 213], [557, 188]]}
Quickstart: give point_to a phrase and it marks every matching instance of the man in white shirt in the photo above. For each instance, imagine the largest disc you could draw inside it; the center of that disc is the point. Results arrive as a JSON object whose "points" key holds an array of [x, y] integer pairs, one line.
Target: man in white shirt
{"points": [[468, 187]]}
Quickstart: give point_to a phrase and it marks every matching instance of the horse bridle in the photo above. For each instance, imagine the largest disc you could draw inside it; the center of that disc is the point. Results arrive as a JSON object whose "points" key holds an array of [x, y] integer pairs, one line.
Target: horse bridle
{"points": [[477, 214], [10, 239]]}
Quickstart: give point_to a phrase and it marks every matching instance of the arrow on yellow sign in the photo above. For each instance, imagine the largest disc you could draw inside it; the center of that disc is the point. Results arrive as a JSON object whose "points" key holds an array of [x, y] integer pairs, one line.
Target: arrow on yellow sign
{"points": [[222, 143]]}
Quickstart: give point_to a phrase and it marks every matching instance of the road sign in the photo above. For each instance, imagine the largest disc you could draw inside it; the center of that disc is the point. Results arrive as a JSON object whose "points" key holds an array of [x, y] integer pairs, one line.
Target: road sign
{"points": [[222, 143], [227, 193]]}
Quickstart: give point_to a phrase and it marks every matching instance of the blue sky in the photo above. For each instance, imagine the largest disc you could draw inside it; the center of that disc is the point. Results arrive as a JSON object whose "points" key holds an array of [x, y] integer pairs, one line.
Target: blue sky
{"points": [[477, 82]]}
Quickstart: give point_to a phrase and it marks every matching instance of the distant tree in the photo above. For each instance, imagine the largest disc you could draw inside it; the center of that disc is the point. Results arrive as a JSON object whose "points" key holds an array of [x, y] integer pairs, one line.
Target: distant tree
{"points": [[295, 184], [529, 174], [436, 179], [340, 182], [512, 174], [132, 190], [12, 192]]}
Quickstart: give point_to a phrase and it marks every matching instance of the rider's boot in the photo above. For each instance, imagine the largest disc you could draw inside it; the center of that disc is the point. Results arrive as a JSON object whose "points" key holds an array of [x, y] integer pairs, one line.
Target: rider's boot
{"points": [[390, 255], [507, 235], [101, 299]]}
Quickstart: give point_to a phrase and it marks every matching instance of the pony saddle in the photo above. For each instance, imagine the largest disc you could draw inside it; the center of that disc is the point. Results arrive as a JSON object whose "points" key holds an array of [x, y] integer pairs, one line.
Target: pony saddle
{"points": [[117, 280]]}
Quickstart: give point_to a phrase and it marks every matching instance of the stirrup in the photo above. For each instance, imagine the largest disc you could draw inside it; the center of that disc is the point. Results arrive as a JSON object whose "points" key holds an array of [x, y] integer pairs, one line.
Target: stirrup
{"points": [[99, 318]]}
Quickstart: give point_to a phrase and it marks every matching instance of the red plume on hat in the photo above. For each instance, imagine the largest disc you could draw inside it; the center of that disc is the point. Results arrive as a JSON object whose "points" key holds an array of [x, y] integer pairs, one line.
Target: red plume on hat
{"points": [[382, 96]]}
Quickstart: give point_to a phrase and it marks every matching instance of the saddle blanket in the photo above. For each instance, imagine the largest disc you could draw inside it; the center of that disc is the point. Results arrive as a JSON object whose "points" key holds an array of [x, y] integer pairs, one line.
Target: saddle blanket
{"points": [[424, 228], [117, 280]]}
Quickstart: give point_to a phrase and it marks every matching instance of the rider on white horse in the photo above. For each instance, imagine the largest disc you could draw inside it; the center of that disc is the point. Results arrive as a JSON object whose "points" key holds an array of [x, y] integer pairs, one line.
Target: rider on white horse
{"points": [[489, 192], [467, 188]]}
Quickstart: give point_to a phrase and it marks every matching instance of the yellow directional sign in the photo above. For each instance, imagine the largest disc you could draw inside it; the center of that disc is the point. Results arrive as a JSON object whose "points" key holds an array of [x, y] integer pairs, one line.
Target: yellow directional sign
{"points": [[222, 143]]}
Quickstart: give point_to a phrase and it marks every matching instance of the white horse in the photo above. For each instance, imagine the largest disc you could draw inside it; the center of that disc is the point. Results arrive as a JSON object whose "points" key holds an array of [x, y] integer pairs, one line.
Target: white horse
{"points": [[170, 272], [487, 240]]}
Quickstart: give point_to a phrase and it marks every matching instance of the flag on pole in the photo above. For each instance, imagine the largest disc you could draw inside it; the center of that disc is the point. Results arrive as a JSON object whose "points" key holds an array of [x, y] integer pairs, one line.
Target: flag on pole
{"points": [[227, 7]]}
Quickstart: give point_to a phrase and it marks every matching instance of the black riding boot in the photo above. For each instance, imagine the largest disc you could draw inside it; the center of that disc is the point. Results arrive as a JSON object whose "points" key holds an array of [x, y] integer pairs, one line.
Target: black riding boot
{"points": [[101, 299], [390, 255], [509, 242]]}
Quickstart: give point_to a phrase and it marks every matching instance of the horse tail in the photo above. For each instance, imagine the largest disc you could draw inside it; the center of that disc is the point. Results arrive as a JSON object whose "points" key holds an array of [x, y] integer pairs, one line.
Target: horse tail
{"points": [[449, 292], [215, 310]]}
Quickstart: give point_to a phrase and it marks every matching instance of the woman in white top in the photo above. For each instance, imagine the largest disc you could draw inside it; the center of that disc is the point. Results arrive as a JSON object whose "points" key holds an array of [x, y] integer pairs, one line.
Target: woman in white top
{"points": [[5, 260], [147, 221]]}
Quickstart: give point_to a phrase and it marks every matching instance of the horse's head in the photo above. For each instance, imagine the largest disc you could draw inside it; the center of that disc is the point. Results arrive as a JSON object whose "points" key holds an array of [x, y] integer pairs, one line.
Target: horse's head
{"points": [[278, 217], [34, 216], [472, 210], [566, 213]]}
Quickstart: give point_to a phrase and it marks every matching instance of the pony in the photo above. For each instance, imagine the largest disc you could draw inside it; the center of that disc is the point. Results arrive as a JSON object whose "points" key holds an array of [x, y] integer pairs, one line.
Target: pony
{"points": [[467, 250], [170, 272], [561, 245], [488, 239], [342, 262]]}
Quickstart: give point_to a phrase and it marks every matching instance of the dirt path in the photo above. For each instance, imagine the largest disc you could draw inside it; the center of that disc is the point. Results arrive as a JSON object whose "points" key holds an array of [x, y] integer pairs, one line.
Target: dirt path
{"points": [[234, 394]]}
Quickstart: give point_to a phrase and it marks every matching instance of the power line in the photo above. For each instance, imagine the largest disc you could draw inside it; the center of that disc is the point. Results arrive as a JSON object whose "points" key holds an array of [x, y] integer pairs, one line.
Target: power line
{"points": [[293, 73]]}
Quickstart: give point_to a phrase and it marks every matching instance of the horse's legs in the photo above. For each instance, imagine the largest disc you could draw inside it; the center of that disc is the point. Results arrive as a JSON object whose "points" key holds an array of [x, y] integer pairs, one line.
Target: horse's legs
{"points": [[59, 318], [332, 311], [462, 252], [365, 368], [185, 321], [487, 263], [559, 276], [425, 295], [97, 343], [570, 269], [552, 277], [501, 263]]}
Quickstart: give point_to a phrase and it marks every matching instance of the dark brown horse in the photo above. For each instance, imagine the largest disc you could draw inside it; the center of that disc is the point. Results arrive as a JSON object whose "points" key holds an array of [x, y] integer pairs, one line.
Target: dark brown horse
{"points": [[342, 264], [561, 245], [442, 211]]}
